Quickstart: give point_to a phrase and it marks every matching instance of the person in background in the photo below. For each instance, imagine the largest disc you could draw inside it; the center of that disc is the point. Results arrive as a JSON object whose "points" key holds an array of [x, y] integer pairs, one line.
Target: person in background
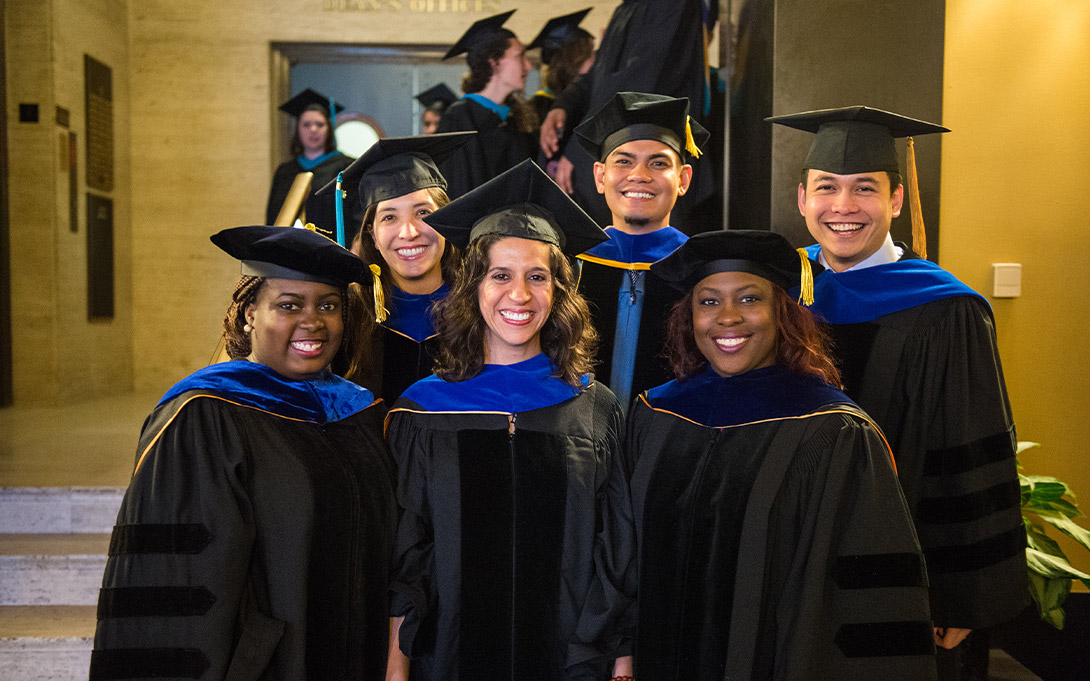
{"points": [[642, 144], [396, 184], [515, 538], [774, 541], [567, 52], [254, 540], [493, 106], [435, 101], [313, 148], [918, 351]]}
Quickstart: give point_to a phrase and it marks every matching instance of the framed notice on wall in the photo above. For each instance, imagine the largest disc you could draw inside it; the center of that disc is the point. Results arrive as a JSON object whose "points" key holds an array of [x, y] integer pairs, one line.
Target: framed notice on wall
{"points": [[98, 91]]}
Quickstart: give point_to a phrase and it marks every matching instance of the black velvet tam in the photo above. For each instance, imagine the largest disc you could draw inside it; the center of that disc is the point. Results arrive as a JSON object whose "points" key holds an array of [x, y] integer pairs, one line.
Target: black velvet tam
{"points": [[759, 252], [855, 139], [291, 253], [631, 116], [522, 202]]}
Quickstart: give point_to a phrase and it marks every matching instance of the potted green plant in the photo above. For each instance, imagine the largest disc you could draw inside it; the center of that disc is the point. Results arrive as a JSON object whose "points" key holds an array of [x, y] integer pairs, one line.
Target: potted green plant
{"points": [[1048, 501]]}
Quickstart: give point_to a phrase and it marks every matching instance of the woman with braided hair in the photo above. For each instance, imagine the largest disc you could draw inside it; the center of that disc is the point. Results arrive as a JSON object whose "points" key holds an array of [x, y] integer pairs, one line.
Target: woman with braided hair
{"points": [[254, 540]]}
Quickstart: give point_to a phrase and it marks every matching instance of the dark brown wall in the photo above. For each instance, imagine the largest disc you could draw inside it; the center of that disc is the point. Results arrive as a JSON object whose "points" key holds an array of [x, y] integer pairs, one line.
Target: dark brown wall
{"points": [[815, 55]]}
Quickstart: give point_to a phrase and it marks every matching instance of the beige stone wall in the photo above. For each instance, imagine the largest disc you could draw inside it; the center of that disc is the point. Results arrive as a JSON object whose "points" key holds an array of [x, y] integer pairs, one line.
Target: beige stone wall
{"points": [[59, 356], [201, 96]]}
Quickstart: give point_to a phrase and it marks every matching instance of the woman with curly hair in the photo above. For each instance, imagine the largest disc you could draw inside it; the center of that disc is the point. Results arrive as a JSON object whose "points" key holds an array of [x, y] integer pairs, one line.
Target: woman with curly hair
{"points": [[774, 539], [254, 540], [493, 105], [515, 541]]}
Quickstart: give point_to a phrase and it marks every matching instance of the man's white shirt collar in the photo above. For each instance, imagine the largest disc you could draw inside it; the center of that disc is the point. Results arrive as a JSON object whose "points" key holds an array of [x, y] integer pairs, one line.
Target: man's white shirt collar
{"points": [[888, 252]]}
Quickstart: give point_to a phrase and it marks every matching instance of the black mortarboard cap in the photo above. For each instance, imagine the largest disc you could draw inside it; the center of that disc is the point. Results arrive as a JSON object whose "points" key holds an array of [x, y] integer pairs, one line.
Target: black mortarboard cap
{"points": [[522, 202], [437, 94], [630, 116], [397, 166], [557, 33], [291, 253], [299, 103], [765, 254], [855, 139], [480, 33]]}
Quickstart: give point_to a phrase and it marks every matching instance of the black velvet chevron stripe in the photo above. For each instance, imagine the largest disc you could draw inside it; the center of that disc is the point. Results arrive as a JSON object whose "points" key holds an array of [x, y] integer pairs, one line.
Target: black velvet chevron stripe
{"points": [[188, 538], [885, 639], [154, 601], [969, 456], [879, 570], [968, 507], [978, 555], [137, 663]]}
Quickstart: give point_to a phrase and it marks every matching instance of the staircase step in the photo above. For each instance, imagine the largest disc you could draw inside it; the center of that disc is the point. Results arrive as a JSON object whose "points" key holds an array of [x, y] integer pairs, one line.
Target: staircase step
{"points": [[50, 643], [37, 510], [50, 569]]}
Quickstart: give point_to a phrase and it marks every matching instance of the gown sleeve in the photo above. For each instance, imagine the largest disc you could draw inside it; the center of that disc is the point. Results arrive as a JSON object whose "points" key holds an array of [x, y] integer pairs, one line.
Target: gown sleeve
{"points": [[413, 589], [606, 625], [969, 509], [845, 588], [179, 556]]}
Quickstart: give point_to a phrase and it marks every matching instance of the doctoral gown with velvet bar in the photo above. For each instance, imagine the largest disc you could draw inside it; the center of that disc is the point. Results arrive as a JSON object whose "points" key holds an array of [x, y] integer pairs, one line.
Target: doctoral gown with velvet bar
{"points": [[254, 540], [918, 352], [324, 173], [515, 537], [774, 542]]}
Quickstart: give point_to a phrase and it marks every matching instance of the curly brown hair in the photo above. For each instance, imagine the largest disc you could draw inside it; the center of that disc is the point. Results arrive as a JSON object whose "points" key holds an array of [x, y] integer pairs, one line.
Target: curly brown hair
{"points": [[567, 338], [563, 68], [237, 340], [801, 345], [523, 116], [330, 138]]}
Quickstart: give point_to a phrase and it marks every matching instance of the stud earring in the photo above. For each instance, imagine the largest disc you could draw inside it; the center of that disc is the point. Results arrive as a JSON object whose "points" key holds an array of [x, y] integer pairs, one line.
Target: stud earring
{"points": [[247, 328]]}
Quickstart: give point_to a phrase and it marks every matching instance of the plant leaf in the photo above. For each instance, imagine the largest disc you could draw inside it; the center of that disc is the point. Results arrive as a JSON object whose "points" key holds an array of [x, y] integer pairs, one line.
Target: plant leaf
{"points": [[1071, 529], [1051, 566], [1023, 446]]}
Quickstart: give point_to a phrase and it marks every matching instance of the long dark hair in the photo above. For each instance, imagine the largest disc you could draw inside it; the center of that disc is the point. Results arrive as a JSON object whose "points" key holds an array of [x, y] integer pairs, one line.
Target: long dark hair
{"points": [[330, 139], [567, 338], [563, 68], [523, 116], [801, 345]]}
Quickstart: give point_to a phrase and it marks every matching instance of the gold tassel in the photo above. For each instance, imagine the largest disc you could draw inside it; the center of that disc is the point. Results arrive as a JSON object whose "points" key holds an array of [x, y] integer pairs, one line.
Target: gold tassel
{"points": [[380, 299], [806, 285], [690, 143], [311, 227], [919, 236]]}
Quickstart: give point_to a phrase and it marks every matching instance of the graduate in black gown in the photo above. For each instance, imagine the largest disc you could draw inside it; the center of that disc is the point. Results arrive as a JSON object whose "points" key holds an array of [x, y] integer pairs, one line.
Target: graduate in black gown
{"points": [[515, 537], [918, 351], [493, 106], [567, 52], [656, 46], [313, 148], [396, 184], [774, 542], [254, 540], [642, 145]]}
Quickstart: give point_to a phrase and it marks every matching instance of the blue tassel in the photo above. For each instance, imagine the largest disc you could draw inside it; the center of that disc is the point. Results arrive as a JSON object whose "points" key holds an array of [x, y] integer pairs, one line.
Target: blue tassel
{"points": [[339, 202]]}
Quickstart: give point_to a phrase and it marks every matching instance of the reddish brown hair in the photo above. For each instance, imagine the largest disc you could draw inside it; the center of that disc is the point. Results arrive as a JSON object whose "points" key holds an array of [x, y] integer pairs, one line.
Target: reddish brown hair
{"points": [[801, 345]]}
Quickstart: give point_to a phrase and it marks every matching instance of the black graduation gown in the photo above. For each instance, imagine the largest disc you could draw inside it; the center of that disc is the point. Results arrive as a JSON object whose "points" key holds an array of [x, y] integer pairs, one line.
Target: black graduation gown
{"points": [[600, 284], [654, 46], [497, 147], [930, 376], [324, 172], [398, 361], [250, 543], [513, 541], [775, 549]]}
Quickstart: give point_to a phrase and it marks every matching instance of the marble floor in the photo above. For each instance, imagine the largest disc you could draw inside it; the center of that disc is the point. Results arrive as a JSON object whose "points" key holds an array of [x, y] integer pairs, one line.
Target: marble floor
{"points": [[92, 443]]}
